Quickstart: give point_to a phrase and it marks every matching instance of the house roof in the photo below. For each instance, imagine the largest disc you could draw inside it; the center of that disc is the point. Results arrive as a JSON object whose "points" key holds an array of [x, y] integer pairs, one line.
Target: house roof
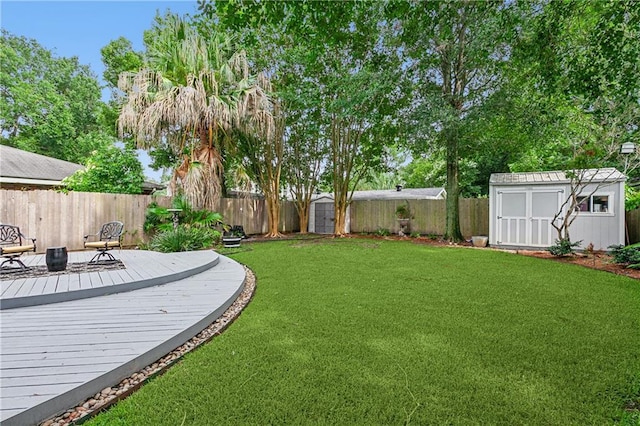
{"points": [[591, 175], [392, 194], [28, 168], [16, 163]]}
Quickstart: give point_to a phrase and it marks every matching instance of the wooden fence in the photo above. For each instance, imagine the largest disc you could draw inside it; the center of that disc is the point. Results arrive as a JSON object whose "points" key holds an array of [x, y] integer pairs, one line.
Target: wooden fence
{"points": [[252, 215], [429, 216], [61, 219], [633, 226]]}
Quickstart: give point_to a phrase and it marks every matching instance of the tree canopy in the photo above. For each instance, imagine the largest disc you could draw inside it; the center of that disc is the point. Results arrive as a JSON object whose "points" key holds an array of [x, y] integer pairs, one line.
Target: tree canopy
{"points": [[330, 71], [109, 169], [474, 87], [293, 92], [48, 104]]}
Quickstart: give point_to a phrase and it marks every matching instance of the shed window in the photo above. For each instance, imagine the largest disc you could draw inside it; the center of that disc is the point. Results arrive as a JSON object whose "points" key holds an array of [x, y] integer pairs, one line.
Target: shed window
{"points": [[594, 204]]}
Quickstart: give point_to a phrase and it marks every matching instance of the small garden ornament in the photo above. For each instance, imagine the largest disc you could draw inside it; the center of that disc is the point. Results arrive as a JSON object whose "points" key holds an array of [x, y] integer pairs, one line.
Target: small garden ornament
{"points": [[403, 214]]}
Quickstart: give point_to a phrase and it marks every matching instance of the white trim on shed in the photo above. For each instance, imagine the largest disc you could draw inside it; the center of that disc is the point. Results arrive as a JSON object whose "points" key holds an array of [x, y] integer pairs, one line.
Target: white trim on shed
{"points": [[522, 207]]}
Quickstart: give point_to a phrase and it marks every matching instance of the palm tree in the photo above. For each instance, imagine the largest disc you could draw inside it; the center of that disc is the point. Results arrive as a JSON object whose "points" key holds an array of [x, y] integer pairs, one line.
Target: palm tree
{"points": [[193, 93]]}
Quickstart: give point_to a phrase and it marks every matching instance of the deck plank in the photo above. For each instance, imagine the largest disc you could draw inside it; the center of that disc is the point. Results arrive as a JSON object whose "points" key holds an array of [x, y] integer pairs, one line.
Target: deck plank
{"points": [[50, 284]]}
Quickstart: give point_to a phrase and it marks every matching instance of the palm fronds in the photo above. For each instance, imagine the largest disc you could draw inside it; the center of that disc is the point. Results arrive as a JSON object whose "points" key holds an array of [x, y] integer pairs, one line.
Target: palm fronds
{"points": [[194, 89]]}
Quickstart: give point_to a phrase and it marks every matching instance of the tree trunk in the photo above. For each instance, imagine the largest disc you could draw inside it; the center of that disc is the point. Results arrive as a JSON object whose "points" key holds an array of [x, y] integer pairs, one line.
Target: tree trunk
{"points": [[273, 216], [303, 217], [340, 214], [339, 228], [452, 229]]}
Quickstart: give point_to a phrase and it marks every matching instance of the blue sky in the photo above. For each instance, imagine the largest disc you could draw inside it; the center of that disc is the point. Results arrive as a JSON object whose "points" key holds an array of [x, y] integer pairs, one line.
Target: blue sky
{"points": [[82, 28]]}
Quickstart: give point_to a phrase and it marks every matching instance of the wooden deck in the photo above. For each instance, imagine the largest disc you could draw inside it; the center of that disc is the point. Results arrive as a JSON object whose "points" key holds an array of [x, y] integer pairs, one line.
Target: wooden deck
{"points": [[143, 269], [55, 355]]}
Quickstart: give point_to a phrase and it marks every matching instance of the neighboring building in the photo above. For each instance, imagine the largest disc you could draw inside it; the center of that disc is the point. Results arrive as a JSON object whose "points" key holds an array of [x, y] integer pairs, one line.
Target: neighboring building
{"points": [[522, 207], [322, 213], [24, 170]]}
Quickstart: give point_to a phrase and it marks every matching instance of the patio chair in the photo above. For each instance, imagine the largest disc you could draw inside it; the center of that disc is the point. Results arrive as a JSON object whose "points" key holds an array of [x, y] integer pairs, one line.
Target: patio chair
{"points": [[12, 246], [108, 238]]}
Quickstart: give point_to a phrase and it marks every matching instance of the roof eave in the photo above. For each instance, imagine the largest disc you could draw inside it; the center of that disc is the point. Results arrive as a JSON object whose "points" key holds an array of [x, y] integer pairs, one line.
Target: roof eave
{"points": [[6, 179]]}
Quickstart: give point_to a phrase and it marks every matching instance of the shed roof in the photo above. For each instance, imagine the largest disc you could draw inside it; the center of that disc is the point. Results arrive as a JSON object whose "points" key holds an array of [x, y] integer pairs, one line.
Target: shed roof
{"points": [[608, 174], [393, 194]]}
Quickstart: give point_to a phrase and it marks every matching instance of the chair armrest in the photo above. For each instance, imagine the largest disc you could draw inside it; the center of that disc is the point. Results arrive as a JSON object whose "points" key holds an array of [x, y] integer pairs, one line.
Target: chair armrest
{"points": [[33, 240]]}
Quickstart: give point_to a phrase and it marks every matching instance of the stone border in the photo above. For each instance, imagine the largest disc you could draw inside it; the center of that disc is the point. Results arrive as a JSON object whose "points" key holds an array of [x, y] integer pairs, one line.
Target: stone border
{"points": [[104, 399]]}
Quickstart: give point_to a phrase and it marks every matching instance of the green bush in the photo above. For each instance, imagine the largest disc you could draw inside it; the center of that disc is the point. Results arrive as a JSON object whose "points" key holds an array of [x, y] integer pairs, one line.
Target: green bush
{"points": [[563, 247], [109, 169], [161, 219], [156, 218], [629, 255], [632, 198], [184, 238], [382, 232]]}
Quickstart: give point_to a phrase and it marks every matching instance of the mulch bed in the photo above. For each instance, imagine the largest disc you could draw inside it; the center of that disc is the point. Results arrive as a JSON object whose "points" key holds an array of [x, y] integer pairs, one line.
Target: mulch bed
{"points": [[600, 261], [72, 268]]}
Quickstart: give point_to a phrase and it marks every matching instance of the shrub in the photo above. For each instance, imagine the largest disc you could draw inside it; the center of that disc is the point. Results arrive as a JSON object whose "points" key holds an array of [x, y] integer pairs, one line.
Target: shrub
{"points": [[632, 198], [156, 218], [184, 238], [415, 235], [629, 255], [382, 232], [160, 219], [563, 247]]}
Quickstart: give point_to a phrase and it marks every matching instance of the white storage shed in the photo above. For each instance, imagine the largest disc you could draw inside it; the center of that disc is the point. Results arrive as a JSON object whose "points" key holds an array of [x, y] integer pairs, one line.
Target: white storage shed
{"points": [[522, 207], [322, 213]]}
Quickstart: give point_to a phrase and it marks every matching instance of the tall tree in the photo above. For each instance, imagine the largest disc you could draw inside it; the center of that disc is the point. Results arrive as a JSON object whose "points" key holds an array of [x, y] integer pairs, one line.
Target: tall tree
{"points": [[262, 156], [356, 135], [47, 104], [193, 93], [118, 56], [337, 47], [583, 57], [306, 148], [455, 52]]}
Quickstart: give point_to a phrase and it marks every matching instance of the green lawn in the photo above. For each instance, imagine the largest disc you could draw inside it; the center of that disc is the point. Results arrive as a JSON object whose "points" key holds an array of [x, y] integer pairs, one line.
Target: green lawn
{"points": [[386, 332]]}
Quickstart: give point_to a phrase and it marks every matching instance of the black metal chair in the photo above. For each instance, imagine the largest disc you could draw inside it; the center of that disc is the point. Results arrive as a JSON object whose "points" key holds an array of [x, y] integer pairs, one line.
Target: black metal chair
{"points": [[12, 246], [109, 238]]}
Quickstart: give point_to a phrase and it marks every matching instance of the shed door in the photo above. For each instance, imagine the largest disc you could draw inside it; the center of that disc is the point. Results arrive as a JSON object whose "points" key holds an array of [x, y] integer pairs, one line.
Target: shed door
{"points": [[525, 217], [544, 205], [325, 216], [512, 218]]}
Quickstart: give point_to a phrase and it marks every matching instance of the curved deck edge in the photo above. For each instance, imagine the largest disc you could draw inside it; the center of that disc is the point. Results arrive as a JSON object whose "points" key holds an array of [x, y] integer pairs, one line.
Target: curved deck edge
{"points": [[63, 401], [66, 296]]}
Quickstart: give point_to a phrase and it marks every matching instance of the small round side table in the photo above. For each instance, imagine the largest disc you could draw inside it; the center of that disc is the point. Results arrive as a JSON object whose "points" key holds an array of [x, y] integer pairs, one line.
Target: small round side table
{"points": [[56, 259]]}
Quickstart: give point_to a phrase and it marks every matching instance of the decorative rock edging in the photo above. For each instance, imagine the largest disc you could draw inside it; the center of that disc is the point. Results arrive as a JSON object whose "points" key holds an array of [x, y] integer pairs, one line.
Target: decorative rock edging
{"points": [[109, 396]]}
